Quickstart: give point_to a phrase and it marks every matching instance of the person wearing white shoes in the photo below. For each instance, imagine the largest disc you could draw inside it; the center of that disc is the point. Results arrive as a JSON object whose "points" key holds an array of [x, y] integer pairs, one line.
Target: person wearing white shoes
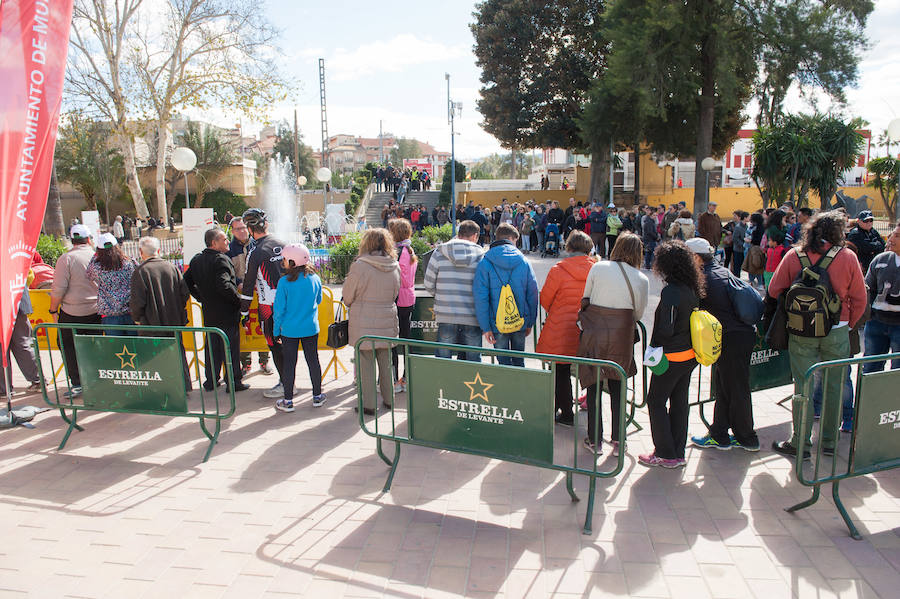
{"points": [[296, 322]]}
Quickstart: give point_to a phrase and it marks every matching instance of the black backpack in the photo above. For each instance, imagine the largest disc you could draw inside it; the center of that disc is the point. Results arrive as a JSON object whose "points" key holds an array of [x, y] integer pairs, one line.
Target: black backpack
{"points": [[810, 302]]}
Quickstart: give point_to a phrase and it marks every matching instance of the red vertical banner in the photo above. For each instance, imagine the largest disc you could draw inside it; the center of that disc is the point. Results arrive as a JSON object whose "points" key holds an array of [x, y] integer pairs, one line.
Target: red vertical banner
{"points": [[34, 38]]}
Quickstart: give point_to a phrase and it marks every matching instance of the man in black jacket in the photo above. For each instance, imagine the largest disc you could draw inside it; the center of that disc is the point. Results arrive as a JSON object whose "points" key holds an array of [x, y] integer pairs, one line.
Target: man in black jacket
{"points": [[869, 242], [649, 235], [211, 280], [734, 408]]}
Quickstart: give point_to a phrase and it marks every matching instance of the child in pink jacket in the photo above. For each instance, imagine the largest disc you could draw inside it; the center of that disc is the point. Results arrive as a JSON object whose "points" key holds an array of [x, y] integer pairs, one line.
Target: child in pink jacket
{"points": [[774, 253], [401, 231]]}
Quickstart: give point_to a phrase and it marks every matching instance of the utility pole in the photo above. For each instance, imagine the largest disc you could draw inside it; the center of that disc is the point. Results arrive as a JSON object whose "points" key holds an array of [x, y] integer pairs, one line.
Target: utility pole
{"points": [[324, 113], [380, 144]]}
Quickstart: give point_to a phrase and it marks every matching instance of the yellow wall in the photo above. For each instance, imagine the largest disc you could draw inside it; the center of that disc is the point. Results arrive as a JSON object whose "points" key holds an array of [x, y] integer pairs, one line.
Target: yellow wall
{"points": [[730, 199]]}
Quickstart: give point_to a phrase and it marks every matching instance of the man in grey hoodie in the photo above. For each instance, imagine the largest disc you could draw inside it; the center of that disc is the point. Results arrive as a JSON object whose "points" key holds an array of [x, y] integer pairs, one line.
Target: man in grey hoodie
{"points": [[448, 278]]}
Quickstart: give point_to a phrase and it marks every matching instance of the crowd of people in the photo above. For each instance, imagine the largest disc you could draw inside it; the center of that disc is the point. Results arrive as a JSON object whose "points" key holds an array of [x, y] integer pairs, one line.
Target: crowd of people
{"points": [[593, 299], [418, 216], [400, 181]]}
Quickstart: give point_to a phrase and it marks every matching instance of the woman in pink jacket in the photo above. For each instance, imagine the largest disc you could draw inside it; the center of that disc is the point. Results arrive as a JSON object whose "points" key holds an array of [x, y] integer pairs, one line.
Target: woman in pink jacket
{"points": [[401, 231]]}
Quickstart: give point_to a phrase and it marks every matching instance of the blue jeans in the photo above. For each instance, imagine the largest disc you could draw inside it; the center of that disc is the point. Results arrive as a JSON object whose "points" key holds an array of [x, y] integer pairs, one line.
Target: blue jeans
{"points": [[540, 240], [758, 279], [737, 259], [117, 319], [881, 338], [514, 341], [649, 248], [459, 334], [846, 398]]}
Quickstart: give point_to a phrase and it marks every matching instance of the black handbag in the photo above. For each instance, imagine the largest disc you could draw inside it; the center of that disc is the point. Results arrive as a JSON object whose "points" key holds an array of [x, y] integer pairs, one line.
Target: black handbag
{"points": [[775, 324], [339, 330]]}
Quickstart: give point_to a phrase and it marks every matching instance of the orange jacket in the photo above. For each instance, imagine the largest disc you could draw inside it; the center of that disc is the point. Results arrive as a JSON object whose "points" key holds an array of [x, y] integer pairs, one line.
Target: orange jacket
{"points": [[561, 298]]}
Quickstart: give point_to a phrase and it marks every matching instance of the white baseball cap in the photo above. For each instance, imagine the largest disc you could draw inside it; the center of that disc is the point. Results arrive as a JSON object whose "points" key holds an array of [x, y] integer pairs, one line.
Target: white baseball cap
{"points": [[698, 245], [80, 232], [107, 240]]}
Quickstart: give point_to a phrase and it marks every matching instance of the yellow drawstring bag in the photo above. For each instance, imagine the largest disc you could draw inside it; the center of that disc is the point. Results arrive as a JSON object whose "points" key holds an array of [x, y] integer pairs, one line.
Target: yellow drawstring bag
{"points": [[706, 337], [509, 320]]}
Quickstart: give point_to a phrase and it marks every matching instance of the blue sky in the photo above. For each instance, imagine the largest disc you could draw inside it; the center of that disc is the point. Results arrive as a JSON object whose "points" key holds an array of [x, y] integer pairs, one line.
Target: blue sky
{"points": [[384, 61]]}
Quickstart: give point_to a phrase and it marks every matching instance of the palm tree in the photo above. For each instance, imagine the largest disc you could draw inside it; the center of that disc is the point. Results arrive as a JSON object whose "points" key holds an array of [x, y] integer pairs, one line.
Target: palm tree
{"points": [[213, 156]]}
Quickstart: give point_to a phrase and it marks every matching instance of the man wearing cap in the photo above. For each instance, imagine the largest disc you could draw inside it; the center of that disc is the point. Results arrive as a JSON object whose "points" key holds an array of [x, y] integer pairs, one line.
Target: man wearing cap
{"points": [[709, 226], [869, 242], [159, 295], [210, 278], [73, 299], [733, 409]]}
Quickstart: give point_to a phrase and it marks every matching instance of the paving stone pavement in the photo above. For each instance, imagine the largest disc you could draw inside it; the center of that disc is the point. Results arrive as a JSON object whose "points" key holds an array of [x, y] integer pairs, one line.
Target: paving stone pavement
{"points": [[291, 505]]}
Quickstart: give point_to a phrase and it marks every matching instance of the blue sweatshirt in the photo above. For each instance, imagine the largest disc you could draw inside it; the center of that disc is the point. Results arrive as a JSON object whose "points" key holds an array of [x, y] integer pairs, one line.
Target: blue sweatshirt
{"points": [[296, 307], [502, 264]]}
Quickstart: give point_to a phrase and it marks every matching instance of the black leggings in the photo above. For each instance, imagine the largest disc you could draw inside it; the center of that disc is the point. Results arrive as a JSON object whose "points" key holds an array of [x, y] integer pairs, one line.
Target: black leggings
{"points": [[289, 363], [563, 395], [614, 389], [668, 427], [404, 314]]}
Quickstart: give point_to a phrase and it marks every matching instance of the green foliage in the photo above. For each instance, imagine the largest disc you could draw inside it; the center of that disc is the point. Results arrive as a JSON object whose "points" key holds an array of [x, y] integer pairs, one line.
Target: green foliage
{"points": [[360, 181], [885, 170], [803, 152], [433, 235], [406, 148], [84, 159], [213, 156], [809, 44], [537, 63], [444, 197], [50, 248], [221, 201], [500, 166], [341, 255]]}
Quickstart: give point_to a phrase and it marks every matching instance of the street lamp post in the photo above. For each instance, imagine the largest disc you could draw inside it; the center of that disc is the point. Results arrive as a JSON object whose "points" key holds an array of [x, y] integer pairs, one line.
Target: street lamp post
{"points": [[450, 114], [184, 160], [707, 165], [893, 132], [324, 175]]}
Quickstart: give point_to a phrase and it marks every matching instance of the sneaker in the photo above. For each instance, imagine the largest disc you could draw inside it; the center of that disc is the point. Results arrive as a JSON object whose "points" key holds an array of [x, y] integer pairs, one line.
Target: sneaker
{"points": [[654, 460], [366, 411], [565, 420], [616, 446], [786, 449], [399, 387], [73, 392], [318, 400], [276, 391], [285, 405], [589, 445], [265, 368], [239, 387], [245, 369], [582, 402], [745, 446], [708, 441], [33, 387]]}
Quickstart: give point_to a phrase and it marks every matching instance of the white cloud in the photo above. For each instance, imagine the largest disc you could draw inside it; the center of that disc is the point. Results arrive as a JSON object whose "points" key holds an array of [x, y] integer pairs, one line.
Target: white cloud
{"points": [[395, 55]]}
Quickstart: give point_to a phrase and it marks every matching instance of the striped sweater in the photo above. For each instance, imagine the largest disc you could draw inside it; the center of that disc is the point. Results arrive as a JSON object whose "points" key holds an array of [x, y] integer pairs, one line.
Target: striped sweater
{"points": [[449, 277]]}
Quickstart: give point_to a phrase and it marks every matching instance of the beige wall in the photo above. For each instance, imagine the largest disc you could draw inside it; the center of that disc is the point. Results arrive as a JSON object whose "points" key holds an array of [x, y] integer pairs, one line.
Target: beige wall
{"points": [[730, 199]]}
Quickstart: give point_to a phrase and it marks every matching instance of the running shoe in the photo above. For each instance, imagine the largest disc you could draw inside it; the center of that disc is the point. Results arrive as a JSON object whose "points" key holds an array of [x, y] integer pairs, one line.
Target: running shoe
{"points": [[708, 441], [319, 400], [654, 460], [285, 405], [745, 446], [73, 392], [265, 368], [615, 447], [276, 391]]}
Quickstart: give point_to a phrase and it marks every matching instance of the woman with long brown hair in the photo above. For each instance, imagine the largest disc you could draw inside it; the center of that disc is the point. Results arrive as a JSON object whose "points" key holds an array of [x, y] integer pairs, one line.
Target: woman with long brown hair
{"points": [[370, 289], [614, 299], [110, 269]]}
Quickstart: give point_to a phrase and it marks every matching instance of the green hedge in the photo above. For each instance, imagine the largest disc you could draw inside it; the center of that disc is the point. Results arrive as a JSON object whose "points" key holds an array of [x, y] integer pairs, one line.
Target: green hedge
{"points": [[50, 248]]}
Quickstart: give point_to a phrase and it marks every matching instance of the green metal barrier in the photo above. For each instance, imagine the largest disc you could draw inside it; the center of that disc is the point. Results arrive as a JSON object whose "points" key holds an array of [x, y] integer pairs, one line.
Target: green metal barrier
{"points": [[499, 412], [769, 368], [136, 375], [875, 439]]}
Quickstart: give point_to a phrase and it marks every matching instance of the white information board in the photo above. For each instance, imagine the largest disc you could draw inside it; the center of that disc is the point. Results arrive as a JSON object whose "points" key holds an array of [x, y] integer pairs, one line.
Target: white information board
{"points": [[91, 220], [195, 222]]}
